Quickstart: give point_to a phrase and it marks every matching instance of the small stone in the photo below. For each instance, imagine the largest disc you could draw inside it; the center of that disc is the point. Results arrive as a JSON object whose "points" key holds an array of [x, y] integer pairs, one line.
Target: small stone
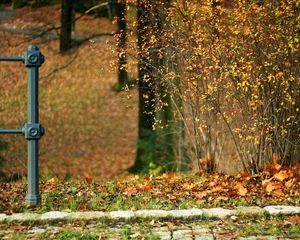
{"points": [[2, 217], [151, 213], [186, 213], [53, 229], [210, 237], [86, 215], [247, 211], [200, 230], [23, 217], [36, 230], [163, 235], [285, 210], [121, 214], [54, 215], [266, 238], [246, 238], [160, 229], [219, 212], [183, 234]]}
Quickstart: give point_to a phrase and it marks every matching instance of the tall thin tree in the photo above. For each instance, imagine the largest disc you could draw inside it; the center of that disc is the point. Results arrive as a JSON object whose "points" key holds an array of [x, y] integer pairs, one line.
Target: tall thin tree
{"points": [[67, 7], [151, 91], [120, 8]]}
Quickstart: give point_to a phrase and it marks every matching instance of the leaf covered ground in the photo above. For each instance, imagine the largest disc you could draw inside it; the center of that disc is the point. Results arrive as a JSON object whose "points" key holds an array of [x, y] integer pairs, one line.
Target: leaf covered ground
{"points": [[277, 185]]}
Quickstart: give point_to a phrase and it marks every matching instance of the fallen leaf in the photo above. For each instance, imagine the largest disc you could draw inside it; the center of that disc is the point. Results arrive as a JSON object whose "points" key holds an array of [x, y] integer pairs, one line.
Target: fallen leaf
{"points": [[271, 186], [294, 219], [200, 195], [278, 193], [222, 198], [241, 190], [289, 183], [145, 188], [172, 197], [217, 189], [130, 191], [88, 179], [282, 175]]}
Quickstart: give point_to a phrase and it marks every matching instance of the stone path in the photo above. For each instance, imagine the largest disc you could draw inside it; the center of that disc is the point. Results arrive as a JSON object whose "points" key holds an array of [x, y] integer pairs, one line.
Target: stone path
{"points": [[191, 224]]}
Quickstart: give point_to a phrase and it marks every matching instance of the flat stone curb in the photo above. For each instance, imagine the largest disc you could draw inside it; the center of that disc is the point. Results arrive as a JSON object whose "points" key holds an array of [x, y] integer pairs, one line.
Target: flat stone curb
{"points": [[218, 213]]}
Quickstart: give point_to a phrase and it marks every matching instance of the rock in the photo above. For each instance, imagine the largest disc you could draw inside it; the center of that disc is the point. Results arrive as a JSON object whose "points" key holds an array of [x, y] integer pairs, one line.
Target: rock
{"points": [[183, 234], [163, 235], [23, 217], [246, 238], [186, 213], [150, 213], [201, 231], [54, 229], [36, 230], [54, 215], [250, 211], [211, 237], [2, 217], [121, 214], [219, 212], [285, 210], [86, 215]]}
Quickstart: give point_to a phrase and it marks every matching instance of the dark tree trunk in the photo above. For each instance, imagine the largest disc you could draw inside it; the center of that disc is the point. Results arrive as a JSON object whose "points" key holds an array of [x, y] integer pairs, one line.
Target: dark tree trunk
{"points": [[146, 138], [66, 25], [120, 9], [150, 66]]}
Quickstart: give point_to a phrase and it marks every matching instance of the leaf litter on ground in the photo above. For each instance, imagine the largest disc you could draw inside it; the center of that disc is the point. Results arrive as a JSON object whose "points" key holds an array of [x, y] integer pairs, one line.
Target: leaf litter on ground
{"points": [[280, 186]]}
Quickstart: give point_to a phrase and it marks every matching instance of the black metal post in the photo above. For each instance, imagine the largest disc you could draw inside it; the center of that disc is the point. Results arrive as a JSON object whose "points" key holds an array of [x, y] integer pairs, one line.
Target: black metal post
{"points": [[33, 59]]}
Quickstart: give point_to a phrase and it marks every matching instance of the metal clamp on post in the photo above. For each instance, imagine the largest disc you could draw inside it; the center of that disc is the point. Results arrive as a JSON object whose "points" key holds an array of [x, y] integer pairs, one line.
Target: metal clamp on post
{"points": [[33, 57], [33, 131]]}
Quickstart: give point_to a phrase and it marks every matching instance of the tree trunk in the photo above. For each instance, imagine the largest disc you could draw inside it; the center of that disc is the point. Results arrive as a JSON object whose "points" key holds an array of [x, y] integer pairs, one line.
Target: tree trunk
{"points": [[120, 8], [66, 25], [153, 144]]}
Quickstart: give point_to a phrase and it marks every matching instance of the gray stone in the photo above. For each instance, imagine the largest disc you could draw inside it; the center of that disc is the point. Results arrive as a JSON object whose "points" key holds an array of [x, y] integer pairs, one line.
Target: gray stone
{"points": [[160, 229], [201, 230], [165, 235], [121, 214], [86, 215], [209, 237], [2, 217], [36, 230], [54, 215], [266, 238], [219, 212], [54, 229], [20, 217], [151, 213], [186, 213], [183, 234], [250, 211], [285, 210], [246, 238]]}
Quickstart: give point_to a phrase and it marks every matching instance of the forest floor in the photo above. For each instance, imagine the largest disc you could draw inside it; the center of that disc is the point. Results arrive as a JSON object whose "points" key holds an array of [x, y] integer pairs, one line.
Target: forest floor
{"points": [[87, 123]]}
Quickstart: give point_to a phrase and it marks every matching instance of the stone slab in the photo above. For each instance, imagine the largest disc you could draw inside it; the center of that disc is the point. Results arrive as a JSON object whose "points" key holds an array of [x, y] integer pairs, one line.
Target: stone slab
{"points": [[285, 210]]}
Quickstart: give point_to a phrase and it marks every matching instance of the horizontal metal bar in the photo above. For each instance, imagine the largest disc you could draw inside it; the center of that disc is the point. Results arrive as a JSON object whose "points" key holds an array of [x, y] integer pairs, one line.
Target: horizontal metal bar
{"points": [[11, 58], [11, 131]]}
